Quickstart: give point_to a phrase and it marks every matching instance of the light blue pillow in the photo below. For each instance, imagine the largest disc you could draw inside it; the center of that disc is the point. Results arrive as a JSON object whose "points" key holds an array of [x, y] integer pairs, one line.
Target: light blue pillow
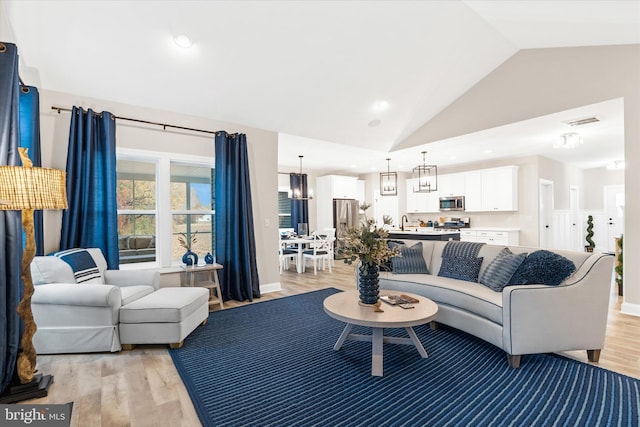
{"points": [[461, 268], [411, 261], [499, 271]]}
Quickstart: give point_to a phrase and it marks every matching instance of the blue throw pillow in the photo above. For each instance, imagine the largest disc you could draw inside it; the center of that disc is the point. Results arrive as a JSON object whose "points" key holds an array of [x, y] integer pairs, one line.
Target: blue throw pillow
{"points": [[462, 268], [543, 267], [387, 265], [411, 261], [84, 267], [499, 271]]}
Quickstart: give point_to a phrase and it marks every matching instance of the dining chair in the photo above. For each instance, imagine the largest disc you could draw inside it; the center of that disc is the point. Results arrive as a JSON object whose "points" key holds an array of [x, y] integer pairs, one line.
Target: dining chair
{"points": [[286, 254], [320, 251], [331, 235]]}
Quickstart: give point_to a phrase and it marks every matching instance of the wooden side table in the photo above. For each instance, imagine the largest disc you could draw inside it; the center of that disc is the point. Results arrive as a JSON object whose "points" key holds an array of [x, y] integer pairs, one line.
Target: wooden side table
{"points": [[212, 283]]}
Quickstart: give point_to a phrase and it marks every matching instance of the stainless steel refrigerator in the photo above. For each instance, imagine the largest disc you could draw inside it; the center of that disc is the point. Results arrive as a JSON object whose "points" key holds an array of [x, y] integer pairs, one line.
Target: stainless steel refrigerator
{"points": [[346, 214]]}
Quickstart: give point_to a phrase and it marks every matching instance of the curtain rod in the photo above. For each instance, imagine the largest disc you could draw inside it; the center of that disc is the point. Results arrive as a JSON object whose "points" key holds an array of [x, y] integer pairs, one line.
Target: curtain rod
{"points": [[164, 125]]}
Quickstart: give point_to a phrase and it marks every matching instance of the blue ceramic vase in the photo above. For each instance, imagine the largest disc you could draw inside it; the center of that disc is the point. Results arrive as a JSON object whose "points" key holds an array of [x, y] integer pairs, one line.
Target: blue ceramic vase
{"points": [[368, 284], [190, 258], [208, 258]]}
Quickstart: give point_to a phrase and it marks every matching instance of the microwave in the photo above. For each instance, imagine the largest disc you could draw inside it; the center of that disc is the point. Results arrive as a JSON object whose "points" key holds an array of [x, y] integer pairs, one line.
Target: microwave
{"points": [[452, 203]]}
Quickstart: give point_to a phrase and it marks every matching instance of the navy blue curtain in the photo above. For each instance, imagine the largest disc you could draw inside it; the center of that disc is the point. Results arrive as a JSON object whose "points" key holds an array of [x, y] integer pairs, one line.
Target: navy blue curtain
{"points": [[299, 208], [30, 138], [91, 221], [10, 221], [234, 235]]}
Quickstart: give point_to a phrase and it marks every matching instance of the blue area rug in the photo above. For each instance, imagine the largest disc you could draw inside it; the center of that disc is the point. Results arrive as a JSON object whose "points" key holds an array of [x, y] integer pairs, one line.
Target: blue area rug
{"points": [[273, 363]]}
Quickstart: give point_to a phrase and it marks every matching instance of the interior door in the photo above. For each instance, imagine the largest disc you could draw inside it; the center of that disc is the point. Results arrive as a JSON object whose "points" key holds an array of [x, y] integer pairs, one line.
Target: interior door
{"points": [[614, 214], [575, 231], [546, 214]]}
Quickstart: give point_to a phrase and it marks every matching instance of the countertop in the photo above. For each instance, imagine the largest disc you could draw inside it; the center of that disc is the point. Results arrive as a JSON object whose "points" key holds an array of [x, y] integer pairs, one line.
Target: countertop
{"points": [[424, 233], [492, 229], [429, 231]]}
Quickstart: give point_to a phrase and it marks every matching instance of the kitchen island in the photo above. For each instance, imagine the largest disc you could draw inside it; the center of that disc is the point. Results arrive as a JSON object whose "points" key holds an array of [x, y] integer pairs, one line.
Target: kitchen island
{"points": [[430, 234]]}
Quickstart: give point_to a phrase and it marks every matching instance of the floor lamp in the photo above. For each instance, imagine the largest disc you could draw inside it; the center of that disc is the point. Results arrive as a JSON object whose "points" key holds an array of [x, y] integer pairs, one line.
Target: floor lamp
{"points": [[26, 188]]}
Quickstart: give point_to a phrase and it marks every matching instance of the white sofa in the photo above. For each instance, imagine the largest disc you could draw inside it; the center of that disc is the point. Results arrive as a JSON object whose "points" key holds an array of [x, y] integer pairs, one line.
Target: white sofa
{"points": [[76, 317], [522, 319]]}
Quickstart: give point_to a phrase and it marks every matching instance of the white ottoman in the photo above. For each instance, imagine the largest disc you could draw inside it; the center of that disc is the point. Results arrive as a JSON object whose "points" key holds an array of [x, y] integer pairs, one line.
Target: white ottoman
{"points": [[165, 316]]}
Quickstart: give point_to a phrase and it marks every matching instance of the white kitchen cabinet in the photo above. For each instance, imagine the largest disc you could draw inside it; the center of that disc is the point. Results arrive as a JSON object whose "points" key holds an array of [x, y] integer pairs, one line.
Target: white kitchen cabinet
{"points": [[491, 237], [500, 189], [421, 202], [341, 187], [452, 184], [485, 190], [468, 236], [473, 191]]}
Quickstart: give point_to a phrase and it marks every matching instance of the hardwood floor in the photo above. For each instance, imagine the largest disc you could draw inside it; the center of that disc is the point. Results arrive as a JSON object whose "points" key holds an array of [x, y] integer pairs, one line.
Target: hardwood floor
{"points": [[141, 387]]}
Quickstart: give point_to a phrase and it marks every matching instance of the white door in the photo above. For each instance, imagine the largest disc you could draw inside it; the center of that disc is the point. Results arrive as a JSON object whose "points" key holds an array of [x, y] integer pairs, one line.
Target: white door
{"points": [[575, 234], [614, 214], [546, 214]]}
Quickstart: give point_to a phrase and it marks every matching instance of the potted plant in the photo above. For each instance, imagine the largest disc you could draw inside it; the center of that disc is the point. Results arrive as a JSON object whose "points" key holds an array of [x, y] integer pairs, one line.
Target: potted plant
{"points": [[618, 268], [367, 246], [591, 244]]}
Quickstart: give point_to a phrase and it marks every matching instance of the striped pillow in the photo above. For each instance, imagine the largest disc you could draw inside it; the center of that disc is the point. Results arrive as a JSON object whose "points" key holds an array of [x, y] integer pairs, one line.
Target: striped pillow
{"points": [[411, 261], [499, 271], [84, 267]]}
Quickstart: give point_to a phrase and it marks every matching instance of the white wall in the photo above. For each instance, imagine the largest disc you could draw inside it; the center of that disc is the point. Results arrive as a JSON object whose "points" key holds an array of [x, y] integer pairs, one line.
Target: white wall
{"points": [[262, 150], [536, 82]]}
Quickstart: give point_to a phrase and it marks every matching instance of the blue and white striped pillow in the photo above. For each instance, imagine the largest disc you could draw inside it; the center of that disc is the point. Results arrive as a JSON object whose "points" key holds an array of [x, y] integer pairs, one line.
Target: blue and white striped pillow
{"points": [[84, 267], [411, 261], [499, 271]]}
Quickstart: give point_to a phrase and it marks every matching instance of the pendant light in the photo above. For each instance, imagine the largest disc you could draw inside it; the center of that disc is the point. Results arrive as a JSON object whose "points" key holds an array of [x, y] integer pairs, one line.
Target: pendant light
{"points": [[300, 192], [425, 177], [388, 182]]}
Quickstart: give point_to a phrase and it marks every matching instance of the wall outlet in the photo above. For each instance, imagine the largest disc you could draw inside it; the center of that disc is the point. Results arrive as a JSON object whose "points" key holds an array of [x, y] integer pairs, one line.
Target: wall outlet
{"points": [[267, 222]]}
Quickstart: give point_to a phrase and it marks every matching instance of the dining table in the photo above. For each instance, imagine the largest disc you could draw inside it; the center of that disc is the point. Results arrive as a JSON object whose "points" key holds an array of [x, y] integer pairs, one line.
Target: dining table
{"points": [[302, 243]]}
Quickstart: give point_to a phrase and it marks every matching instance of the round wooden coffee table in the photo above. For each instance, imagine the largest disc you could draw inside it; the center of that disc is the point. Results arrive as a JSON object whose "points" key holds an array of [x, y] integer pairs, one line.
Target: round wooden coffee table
{"points": [[344, 306]]}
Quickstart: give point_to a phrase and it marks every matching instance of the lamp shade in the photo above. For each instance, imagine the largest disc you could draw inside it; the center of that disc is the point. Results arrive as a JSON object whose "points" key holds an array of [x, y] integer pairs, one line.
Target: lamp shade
{"points": [[32, 188]]}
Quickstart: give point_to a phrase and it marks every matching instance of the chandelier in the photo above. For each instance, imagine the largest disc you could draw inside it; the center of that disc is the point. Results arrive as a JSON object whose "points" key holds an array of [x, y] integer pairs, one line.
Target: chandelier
{"points": [[299, 191], [425, 177], [388, 182]]}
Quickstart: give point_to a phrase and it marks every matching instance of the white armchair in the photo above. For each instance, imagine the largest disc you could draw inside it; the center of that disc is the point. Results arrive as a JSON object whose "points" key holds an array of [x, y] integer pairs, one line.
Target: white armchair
{"points": [[76, 317]]}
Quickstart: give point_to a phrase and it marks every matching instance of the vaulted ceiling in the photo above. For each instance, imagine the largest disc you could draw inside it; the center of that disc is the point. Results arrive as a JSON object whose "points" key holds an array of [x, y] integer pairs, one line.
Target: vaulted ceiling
{"points": [[365, 74]]}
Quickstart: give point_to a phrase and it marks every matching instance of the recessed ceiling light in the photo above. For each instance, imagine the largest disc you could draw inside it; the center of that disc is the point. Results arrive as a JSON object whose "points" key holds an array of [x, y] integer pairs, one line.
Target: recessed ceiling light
{"points": [[452, 158], [374, 123], [488, 151], [381, 105], [183, 41]]}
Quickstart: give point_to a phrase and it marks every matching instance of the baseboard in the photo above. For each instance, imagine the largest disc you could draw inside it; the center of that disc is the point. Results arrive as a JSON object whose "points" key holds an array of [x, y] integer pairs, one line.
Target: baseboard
{"points": [[270, 287], [631, 309]]}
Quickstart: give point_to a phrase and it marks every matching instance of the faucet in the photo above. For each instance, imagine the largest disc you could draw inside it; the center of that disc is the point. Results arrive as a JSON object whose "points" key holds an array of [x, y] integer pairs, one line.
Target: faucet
{"points": [[402, 221]]}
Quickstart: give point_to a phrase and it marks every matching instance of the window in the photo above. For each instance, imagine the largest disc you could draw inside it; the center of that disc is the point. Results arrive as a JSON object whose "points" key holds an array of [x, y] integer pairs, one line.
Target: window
{"points": [[191, 208], [136, 196], [284, 210], [161, 195]]}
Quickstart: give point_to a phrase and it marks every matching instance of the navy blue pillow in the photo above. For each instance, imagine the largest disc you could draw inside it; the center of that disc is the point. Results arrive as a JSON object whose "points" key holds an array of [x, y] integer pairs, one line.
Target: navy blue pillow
{"points": [[543, 267], [411, 261], [461, 268]]}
